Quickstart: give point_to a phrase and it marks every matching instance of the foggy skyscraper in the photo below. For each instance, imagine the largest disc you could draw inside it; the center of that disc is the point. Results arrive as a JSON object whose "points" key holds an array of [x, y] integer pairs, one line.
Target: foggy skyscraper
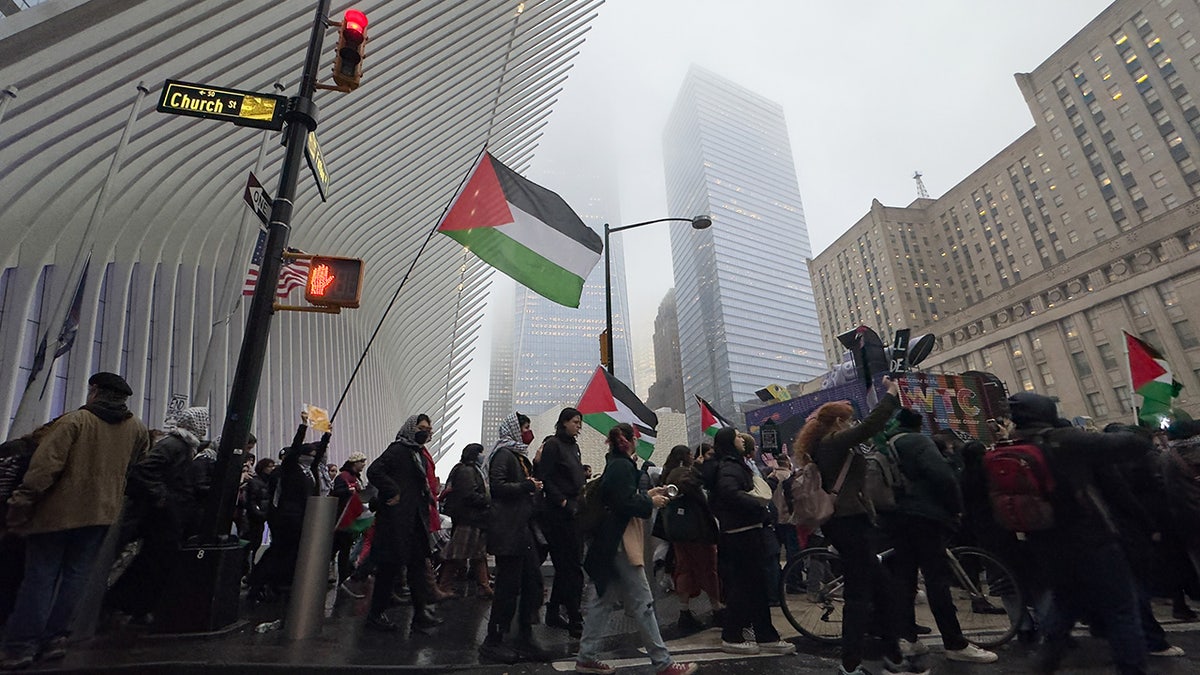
{"points": [[743, 293]]}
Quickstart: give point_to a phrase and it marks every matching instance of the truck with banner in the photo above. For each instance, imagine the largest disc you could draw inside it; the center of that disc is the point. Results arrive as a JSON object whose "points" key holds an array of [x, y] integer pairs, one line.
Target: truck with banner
{"points": [[964, 402]]}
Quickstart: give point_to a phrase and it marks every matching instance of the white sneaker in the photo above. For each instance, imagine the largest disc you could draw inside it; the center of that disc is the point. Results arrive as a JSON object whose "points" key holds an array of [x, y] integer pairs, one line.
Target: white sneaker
{"points": [[916, 648], [739, 647], [779, 647], [1170, 651], [971, 654]]}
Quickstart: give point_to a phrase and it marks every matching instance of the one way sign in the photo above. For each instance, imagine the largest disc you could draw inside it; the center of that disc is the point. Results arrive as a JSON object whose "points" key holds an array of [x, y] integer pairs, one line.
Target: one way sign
{"points": [[258, 199]]}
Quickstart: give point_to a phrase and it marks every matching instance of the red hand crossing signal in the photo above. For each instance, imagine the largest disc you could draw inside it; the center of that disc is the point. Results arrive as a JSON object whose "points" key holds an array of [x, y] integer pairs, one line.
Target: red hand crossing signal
{"points": [[347, 61], [334, 282]]}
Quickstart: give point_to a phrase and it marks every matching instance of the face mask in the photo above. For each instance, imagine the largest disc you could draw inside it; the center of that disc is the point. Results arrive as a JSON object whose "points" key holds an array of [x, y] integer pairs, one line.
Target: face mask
{"points": [[421, 437], [527, 436], [305, 460]]}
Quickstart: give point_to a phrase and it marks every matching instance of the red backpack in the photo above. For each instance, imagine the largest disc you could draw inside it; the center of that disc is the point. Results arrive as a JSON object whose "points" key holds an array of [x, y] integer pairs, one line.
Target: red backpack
{"points": [[1020, 486]]}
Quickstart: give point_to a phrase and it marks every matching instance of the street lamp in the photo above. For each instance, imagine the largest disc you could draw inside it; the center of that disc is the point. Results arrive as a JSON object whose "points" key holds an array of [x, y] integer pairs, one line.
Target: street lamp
{"points": [[698, 223]]}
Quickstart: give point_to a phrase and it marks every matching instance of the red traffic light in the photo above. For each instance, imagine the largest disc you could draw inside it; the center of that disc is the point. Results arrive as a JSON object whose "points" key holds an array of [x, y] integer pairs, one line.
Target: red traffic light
{"points": [[354, 25], [347, 60]]}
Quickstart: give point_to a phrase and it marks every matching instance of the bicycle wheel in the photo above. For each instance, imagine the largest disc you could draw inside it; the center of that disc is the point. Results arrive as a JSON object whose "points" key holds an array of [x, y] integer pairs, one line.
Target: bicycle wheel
{"points": [[811, 588], [987, 597]]}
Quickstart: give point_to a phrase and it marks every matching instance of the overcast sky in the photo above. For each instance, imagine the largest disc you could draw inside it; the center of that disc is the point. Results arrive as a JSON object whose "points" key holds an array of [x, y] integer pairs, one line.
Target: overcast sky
{"points": [[873, 90]]}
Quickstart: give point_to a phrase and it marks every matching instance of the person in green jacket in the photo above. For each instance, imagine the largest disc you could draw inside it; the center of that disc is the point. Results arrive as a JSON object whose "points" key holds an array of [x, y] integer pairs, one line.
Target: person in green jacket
{"points": [[927, 512], [615, 560]]}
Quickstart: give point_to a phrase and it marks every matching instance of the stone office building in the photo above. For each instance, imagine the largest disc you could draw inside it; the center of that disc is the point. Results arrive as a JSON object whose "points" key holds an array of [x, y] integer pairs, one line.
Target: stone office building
{"points": [[1085, 226]]}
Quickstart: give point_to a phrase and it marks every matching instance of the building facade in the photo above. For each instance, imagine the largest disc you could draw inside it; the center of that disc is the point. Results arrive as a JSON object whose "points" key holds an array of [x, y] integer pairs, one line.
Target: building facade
{"points": [[1083, 227], [151, 205], [743, 323], [667, 390]]}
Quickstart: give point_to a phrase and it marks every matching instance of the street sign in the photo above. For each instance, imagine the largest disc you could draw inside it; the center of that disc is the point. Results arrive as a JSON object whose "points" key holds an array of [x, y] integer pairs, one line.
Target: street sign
{"points": [[316, 162], [334, 282], [176, 406], [245, 108], [258, 199]]}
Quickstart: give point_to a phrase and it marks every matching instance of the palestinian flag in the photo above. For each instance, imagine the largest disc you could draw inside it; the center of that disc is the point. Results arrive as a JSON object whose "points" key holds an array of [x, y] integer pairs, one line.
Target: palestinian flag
{"points": [[355, 517], [523, 230], [1151, 378], [607, 402], [710, 420]]}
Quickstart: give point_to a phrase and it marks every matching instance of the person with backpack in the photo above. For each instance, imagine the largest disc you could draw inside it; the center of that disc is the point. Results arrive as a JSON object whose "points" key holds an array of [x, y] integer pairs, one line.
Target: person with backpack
{"points": [[616, 562], [1075, 540], [928, 509], [689, 526], [741, 547], [467, 501], [832, 440]]}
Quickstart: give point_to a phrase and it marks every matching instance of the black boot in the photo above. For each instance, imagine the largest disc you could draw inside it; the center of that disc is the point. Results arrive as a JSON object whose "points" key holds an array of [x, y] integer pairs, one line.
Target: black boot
{"points": [[529, 649], [494, 649]]}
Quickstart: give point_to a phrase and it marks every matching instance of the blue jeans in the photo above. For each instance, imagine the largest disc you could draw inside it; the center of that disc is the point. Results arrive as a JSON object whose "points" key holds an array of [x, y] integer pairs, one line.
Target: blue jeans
{"points": [[631, 588], [61, 560]]}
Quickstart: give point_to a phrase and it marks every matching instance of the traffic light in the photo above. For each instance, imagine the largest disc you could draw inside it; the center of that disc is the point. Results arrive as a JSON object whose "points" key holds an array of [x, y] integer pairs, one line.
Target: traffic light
{"points": [[347, 61], [334, 282]]}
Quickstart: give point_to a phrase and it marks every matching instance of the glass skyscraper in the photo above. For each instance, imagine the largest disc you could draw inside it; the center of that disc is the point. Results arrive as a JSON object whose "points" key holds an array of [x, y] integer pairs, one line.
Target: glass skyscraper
{"points": [[744, 298], [556, 349]]}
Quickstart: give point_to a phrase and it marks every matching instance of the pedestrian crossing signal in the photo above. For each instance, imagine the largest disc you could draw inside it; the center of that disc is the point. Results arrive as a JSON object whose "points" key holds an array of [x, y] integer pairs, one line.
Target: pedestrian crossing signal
{"points": [[334, 282]]}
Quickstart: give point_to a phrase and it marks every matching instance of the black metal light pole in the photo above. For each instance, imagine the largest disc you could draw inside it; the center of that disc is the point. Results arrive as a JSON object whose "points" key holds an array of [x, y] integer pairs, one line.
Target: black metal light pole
{"points": [[301, 119], [698, 223]]}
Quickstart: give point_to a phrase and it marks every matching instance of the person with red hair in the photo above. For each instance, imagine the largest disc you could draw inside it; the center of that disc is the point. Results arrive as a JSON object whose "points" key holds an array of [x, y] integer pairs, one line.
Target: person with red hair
{"points": [[831, 439]]}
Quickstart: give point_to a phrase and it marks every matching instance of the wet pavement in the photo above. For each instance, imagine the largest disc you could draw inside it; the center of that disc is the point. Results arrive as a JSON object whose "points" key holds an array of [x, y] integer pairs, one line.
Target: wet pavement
{"points": [[345, 645]]}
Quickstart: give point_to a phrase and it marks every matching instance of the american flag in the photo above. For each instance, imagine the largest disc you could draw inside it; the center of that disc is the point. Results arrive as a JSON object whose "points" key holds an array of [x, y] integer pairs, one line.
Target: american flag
{"points": [[292, 275]]}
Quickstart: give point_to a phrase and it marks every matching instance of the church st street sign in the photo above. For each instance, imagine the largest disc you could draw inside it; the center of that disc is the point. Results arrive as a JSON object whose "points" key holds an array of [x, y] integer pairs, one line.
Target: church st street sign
{"points": [[244, 108]]}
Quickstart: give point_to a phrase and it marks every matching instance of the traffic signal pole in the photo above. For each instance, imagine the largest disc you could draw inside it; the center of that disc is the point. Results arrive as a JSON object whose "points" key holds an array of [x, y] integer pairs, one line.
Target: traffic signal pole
{"points": [[301, 119]]}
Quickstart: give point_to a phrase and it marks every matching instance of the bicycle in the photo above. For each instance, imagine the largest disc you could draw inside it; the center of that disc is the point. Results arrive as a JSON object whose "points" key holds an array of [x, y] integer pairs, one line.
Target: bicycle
{"points": [[811, 587]]}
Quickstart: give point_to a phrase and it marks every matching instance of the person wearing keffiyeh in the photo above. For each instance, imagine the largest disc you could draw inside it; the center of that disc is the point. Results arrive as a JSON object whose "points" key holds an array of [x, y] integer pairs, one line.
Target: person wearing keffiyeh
{"points": [[402, 525], [158, 486]]}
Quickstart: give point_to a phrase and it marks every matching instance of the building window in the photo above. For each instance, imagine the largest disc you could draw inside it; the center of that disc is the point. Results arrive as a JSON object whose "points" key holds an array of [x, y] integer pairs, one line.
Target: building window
{"points": [[1124, 110], [1081, 190], [1146, 153], [1026, 380], [1047, 376], [1073, 236], [1068, 326], [1123, 399], [1196, 61], [1056, 133], [1166, 291], [1175, 20], [1158, 179], [1187, 40], [1096, 405], [1100, 235], [1186, 335], [1170, 201], [1064, 151], [1082, 367], [1115, 91], [1092, 216], [1107, 356], [1135, 132], [1137, 305]]}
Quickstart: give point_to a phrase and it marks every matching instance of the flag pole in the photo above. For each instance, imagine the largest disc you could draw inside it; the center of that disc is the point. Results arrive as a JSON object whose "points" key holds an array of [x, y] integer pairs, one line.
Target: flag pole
{"points": [[1129, 370], [28, 409], [362, 357]]}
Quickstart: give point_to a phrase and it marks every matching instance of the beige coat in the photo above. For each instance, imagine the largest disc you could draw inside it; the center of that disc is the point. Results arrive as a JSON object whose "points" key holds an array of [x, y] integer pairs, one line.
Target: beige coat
{"points": [[76, 477]]}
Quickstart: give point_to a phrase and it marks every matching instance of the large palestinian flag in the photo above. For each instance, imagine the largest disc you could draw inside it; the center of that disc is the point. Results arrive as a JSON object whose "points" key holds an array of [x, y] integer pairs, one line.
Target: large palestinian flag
{"points": [[523, 230], [1151, 378], [607, 402], [710, 420]]}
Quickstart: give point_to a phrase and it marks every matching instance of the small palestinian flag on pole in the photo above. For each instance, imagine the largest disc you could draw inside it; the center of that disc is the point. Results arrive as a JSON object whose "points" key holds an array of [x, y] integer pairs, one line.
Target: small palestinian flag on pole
{"points": [[710, 420], [1151, 378], [607, 402], [523, 230]]}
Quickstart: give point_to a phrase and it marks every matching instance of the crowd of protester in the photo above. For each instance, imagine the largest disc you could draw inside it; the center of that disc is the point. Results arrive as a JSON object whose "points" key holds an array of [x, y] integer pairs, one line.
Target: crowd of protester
{"points": [[717, 520]]}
